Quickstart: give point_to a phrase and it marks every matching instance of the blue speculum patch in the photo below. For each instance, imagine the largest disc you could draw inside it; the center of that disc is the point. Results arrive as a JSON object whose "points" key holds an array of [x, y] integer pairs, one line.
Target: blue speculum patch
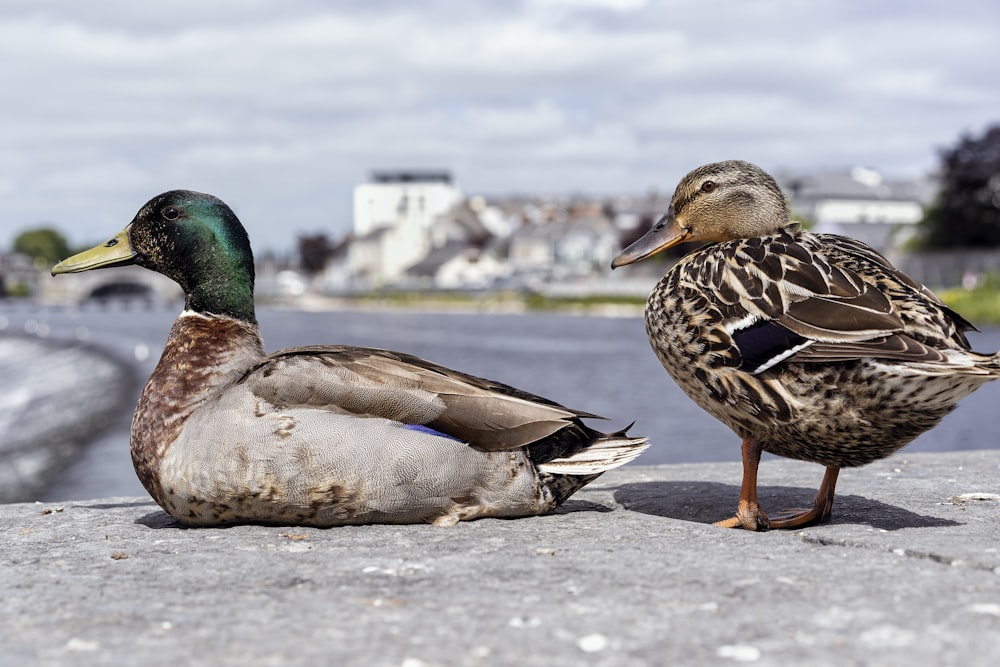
{"points": [[430, 431]]}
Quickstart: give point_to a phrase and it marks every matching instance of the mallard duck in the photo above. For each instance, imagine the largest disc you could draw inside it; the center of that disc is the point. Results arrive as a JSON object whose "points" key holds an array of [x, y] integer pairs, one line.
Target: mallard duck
{"points": [[325, 435], [809, 346]]}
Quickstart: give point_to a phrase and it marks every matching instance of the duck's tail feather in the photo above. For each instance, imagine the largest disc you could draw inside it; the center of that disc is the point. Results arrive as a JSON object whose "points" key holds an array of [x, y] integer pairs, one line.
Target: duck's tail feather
{"points": [[604, 453], [962, 363], [566, 475]]}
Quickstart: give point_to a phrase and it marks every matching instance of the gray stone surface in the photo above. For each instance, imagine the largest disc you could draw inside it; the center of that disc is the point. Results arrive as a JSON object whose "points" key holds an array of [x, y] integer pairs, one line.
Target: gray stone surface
{"points": [[628, 573]]}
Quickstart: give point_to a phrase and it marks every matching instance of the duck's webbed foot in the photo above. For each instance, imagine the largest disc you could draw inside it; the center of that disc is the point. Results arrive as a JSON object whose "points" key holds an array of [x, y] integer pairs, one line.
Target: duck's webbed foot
{"points": [[749, 515], [821, 510]]}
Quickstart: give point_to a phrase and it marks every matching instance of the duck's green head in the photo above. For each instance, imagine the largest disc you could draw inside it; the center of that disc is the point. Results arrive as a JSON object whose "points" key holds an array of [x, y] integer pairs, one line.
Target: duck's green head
{"points": [[190, 237]]}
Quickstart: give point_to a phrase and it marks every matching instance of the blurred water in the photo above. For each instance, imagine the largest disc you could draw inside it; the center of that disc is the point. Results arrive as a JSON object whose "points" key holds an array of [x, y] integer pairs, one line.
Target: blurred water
{"points": [[600, 365], [48, 412]]}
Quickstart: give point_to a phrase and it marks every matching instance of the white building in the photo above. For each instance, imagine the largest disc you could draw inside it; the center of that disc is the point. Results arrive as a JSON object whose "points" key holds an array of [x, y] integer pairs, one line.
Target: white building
{"points": [[394, 198], [394, 213]]}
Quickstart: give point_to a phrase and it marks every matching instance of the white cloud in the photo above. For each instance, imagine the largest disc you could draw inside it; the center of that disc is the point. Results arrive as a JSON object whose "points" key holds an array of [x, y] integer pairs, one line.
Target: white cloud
{"points": [[280, 108]]}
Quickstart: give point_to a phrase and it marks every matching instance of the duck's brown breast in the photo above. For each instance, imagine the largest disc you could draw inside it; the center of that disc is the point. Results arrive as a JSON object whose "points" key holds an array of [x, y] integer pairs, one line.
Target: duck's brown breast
{"points": [[202, 355]]}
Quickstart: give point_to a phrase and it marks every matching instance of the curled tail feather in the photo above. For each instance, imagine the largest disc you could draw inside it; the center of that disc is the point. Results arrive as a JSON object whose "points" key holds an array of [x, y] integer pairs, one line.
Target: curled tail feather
{"points": [[608, 451]]}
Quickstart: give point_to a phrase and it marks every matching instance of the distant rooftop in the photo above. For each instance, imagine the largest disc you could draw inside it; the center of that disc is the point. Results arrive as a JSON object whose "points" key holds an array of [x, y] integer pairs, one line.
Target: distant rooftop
{"points": [[855, 183], [411, 176]]}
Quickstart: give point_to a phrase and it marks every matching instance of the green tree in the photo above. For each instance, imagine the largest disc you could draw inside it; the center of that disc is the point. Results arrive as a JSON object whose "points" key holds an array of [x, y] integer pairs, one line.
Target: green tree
{"points": [[43, 243], [967, 210]]}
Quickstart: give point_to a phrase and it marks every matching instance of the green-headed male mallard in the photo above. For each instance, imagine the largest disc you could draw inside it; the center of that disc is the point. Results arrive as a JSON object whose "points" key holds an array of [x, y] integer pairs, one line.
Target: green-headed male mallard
{"points": [[810, 346], [325, 435]]}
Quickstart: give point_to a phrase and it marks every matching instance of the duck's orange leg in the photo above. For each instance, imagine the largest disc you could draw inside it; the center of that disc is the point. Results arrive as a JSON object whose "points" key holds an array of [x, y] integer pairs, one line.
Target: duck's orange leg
{"points": [[821, 509], [749, 515]]}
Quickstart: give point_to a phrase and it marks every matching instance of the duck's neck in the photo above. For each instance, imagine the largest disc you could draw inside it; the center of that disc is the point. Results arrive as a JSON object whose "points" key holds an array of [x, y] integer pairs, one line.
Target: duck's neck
{"points": [[203, 355], [228, 293]]}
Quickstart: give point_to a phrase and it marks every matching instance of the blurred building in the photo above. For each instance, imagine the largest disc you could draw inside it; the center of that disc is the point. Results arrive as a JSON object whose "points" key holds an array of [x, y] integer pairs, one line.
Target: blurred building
{"points": [[859, 203], [18, 274], [394, 212], [393, 198]]}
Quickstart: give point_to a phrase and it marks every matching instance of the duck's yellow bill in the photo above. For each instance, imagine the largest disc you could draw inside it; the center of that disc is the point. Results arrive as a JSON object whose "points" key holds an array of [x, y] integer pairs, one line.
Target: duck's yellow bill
{"points": [[116, 251]]}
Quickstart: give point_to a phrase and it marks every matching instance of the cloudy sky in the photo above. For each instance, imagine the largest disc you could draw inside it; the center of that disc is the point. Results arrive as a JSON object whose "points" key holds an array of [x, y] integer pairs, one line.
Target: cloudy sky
{"points": [[281, 107]]}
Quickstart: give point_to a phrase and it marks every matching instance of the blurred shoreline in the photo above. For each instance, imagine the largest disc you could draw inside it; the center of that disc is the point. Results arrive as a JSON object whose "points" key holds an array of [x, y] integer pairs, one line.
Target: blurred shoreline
{"points": [[504, 303], [56, 398]]}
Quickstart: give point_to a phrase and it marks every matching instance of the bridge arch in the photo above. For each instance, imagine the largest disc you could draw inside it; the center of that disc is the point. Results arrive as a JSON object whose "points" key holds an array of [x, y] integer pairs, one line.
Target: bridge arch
{"points": [[126, 283], [122, 290]]}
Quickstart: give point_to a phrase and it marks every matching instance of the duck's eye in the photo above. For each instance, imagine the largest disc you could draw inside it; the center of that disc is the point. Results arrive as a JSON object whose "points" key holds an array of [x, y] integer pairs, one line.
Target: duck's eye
{"points": [[171, 213], [708, 186]]}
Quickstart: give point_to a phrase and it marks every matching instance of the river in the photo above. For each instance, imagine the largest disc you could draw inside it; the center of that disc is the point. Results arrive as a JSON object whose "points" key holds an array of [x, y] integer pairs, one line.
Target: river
{"points": [[602, 365]]}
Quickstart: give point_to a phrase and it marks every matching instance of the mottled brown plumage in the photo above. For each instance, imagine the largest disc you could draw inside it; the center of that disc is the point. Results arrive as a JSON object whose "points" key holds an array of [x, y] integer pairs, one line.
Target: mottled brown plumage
{"points": [[324, 435], [810, 346]]}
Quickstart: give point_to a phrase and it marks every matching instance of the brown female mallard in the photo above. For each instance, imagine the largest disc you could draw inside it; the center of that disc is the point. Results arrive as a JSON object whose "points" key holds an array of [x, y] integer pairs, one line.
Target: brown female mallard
{"points": [[325, 435], [810, 346]]}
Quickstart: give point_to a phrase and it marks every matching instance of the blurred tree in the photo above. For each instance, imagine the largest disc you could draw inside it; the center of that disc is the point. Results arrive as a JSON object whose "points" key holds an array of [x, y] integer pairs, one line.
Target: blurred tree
{"points": [[315, 250], [967, 209], [42, 244]]}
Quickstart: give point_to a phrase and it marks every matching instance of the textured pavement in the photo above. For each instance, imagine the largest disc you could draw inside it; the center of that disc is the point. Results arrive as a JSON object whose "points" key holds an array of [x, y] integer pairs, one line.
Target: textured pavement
{"points": [[629, 572]]}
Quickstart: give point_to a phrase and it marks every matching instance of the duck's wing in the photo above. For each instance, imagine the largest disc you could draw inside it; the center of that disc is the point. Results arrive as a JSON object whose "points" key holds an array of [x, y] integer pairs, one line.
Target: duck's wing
{"points": [[372, 382], [822, 298]]}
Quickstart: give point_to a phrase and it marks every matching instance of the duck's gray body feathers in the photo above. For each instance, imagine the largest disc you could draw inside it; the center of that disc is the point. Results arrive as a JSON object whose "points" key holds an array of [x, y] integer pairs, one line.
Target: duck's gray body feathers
{"points": [[325, 436]]}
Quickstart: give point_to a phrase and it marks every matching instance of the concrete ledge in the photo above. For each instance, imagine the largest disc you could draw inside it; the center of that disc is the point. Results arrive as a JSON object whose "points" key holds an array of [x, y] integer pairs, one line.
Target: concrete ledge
{"points": [[628, 573]]}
